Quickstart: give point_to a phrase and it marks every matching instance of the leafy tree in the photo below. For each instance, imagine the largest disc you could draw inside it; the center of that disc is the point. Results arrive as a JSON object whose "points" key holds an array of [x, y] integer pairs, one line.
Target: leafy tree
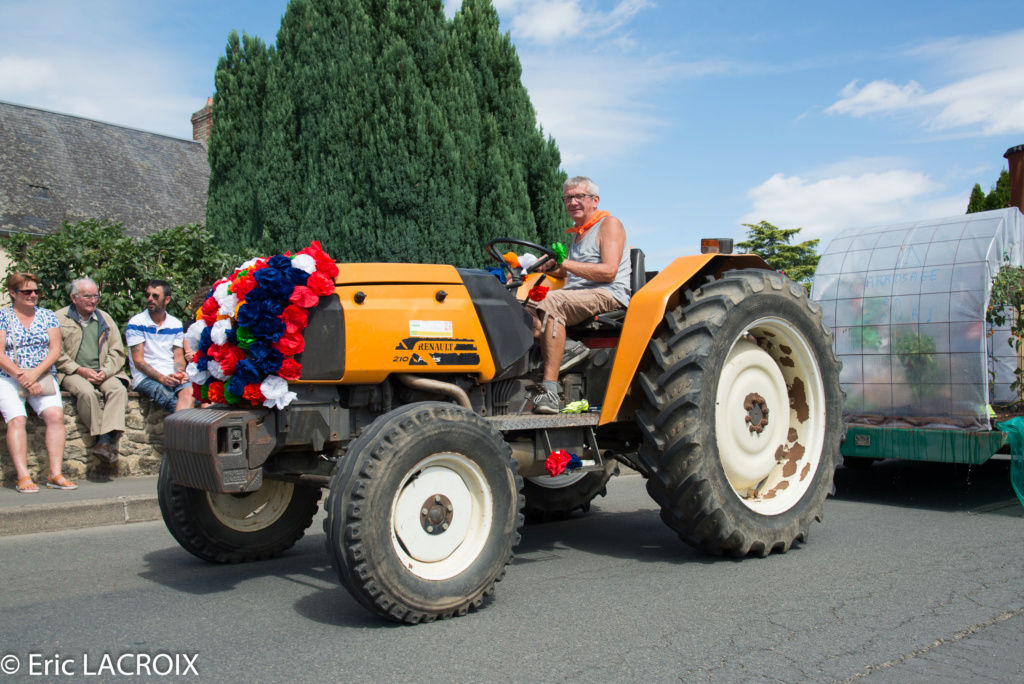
{"points": [[185, 256], [772, 244], [997, 198], [385, 131]]}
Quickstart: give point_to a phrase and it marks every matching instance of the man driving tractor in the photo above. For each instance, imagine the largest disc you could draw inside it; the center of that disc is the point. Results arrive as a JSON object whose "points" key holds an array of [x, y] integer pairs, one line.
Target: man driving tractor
{"points": [[597, 273]]}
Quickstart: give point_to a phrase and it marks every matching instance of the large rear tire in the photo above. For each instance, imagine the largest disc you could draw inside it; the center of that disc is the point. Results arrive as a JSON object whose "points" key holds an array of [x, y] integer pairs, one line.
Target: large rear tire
{"points": [[742, 416], [234, 528], [424, 513], [553, 498]]}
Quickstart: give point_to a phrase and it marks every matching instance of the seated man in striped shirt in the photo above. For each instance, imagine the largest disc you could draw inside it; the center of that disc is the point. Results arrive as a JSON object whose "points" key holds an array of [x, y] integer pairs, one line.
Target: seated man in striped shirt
{"points": [[157, 359]]}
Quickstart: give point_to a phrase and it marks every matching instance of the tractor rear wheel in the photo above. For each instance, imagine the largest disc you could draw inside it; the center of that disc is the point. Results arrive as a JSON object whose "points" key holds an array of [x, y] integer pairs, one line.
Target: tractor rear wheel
{"points": [[553, 498], [234, 528], [424, 512], [742, 415]]}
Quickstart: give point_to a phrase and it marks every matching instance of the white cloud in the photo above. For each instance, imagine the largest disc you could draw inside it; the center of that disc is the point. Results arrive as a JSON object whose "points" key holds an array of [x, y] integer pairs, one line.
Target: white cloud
{"points": [[19, 75], [985, 96], [111, 71], [877, 96], [549, 21], [826, 203]]}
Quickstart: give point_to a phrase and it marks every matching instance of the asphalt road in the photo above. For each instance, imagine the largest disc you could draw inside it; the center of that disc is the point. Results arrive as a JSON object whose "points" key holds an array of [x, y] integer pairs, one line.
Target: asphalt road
{"points": [[916, 575]]}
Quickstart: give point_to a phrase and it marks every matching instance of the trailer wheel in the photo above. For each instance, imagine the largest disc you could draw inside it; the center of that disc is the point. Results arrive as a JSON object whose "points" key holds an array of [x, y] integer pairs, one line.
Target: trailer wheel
{"points": [[234, 528], [553, 498], [424, 513], [742, 416]]}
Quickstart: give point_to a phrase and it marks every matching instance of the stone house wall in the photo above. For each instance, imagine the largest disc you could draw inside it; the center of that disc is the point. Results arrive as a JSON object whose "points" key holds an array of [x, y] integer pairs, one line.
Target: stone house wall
{"points": [[141, 446]]}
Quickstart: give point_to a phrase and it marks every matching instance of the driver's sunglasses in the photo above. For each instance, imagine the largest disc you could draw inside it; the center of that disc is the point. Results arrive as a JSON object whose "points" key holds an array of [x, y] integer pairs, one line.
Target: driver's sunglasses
{"points": [[568, 199]]}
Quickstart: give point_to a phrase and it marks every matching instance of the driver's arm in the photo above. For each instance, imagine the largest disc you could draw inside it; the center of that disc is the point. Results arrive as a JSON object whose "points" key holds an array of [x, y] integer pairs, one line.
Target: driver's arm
{"points": [[611, 242]]}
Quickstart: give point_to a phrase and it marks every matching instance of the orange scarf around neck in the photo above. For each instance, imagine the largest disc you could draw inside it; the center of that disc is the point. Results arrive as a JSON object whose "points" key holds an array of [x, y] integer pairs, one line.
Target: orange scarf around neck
{"points": [[591, 222]]}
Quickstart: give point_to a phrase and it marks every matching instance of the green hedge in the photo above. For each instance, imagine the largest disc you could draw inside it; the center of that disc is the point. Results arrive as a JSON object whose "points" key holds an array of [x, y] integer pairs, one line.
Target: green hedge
{"points": [[185, 256]]}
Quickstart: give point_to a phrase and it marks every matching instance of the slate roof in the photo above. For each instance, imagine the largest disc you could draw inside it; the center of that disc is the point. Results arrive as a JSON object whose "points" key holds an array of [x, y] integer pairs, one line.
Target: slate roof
{"points": [[56, 167]]}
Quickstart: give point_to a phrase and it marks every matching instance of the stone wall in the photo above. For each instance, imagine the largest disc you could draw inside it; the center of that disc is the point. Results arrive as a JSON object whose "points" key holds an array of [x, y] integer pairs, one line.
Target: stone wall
{"points": [[141, 446]]}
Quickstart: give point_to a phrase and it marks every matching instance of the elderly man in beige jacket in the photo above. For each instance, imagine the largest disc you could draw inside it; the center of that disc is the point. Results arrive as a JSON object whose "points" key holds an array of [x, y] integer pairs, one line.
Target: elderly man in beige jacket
{"points": [[91, 367]]}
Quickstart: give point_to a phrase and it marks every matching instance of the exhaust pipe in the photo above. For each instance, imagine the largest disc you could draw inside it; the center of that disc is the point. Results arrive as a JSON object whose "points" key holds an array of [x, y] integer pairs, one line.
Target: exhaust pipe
{"points": [[1015, 156]]}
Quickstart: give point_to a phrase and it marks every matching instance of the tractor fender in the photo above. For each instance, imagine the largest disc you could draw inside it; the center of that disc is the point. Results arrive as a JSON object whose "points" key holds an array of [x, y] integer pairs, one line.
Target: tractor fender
{"points": [[646, 310]]}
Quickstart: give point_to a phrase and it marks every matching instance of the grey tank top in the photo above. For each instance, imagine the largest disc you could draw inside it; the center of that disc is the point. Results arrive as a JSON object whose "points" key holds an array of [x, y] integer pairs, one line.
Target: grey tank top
{"points": [[586, 251]]}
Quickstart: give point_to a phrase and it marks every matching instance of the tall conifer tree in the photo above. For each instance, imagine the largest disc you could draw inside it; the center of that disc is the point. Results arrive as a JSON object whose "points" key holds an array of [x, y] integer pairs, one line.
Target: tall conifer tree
{"points": [[236, 140], [390, 134]]}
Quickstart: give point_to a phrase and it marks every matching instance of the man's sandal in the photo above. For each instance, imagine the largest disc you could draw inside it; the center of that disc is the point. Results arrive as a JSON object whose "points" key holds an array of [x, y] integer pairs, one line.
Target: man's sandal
{"points": [[60, 482], [27, 486]]}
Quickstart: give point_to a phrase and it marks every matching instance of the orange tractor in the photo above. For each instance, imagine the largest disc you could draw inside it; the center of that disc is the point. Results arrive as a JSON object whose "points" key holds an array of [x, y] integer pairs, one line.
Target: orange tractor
{"points": [[413, 409]]}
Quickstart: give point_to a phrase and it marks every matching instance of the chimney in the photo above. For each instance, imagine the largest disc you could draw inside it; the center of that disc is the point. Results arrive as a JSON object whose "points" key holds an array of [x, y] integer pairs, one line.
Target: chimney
{"points": [[202, 122], [1015, 155]]}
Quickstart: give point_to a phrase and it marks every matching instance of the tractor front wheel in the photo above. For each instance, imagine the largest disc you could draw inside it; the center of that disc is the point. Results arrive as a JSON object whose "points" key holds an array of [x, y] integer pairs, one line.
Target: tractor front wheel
{"points": [[233, 528], [424, 513]]}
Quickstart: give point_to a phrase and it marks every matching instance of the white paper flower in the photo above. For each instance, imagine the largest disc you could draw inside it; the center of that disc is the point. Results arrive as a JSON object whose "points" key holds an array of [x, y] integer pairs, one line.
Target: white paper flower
{"points": [[214, 369], [304, 262], [228, 301], [275, 389], [248, 263], [527, 260], [195, 332], [219, 333], [195, 375]]}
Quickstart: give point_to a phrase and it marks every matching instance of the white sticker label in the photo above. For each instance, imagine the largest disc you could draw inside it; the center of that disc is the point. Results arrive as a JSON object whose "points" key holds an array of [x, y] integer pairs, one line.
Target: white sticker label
{"points": [[430, 328]]}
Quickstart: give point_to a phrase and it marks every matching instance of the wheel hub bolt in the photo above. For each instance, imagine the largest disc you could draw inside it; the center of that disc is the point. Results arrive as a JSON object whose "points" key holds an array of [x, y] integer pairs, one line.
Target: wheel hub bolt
{"points": [[757, 412], [436, 514]]}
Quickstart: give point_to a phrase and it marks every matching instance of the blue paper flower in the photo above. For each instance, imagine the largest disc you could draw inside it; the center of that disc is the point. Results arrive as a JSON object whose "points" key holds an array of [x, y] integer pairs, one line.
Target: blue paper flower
{"points": [[237, 385], [267, 359], [247, 372], [297, 275], [279, 262], [277, 285], [206, 338]]}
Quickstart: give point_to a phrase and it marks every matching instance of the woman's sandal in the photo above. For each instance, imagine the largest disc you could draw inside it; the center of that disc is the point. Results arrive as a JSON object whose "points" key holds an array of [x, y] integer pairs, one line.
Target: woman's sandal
{"points": [[60, 482], [27, 486]]}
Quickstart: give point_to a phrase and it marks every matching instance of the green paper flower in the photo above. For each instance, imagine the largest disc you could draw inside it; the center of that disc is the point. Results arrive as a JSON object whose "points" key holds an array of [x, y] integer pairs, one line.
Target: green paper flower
{"points": [[560, 251], [244, 337], [229, 397]]}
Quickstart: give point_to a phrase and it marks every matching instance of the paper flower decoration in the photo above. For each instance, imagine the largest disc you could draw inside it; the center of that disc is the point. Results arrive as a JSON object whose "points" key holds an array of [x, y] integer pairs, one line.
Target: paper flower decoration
{"points": [[251, 326]]}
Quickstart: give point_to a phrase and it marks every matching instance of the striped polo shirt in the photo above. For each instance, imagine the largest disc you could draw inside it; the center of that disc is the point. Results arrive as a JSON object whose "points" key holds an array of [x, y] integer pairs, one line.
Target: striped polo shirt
{"points": [[159, 340]]}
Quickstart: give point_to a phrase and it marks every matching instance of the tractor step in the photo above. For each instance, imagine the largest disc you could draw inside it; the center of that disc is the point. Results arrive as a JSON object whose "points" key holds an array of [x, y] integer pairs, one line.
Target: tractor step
{"points": [[541, 422]]}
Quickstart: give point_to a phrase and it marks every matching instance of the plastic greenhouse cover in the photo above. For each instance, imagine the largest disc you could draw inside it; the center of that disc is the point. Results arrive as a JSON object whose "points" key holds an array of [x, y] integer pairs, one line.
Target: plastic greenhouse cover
{"points": [[906, 303]]}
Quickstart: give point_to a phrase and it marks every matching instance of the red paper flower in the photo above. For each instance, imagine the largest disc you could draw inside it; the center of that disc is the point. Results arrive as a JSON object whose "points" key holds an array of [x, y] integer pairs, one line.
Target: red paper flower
{"points": [[295, 318], [254, 394], [324, 263], [290, 344], [557, 461], [215, 352], [215, 393], [242, 286], [230, 358], [320, 284], [197, 390], [304, 297], [290, 370], [538, 293]]}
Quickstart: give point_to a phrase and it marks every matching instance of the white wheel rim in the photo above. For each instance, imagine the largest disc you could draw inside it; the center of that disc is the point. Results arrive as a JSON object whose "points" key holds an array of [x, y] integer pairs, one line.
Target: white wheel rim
{"points": [[444, 541], [255, 511], [771, 466], [569, 477]]}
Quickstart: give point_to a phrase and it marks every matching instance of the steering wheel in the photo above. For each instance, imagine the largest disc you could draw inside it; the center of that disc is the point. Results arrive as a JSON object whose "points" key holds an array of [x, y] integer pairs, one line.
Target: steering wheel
{"points": [[513, 282]]}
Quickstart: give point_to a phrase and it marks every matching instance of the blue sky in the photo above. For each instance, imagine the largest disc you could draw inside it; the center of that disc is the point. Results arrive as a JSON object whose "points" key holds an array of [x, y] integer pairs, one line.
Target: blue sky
{"points": [[692, 117]]}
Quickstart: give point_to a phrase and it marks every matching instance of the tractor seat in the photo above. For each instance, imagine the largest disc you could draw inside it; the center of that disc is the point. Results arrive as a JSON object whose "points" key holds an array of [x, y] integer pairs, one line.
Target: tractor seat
{"points": [[613, 319]]}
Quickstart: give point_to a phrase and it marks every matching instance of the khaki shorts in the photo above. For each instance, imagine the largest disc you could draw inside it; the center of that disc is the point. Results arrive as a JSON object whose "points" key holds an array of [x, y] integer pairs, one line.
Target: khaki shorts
{"points": [[570, 307]]}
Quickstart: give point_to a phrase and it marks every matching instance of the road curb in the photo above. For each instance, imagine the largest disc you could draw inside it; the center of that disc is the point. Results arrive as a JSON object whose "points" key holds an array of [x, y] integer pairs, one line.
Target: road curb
{"points": [[78, 514]]}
